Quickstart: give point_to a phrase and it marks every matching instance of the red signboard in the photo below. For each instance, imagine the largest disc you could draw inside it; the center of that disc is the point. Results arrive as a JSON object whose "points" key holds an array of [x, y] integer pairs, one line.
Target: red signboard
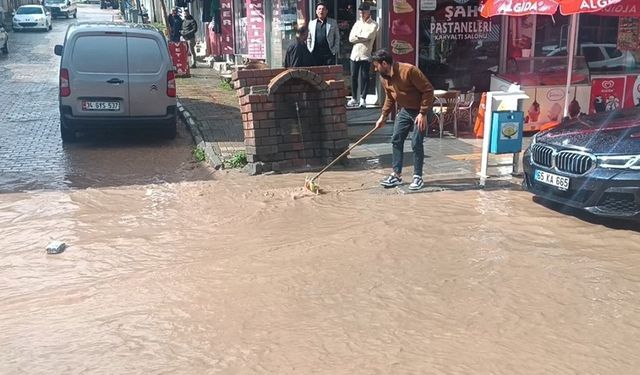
{"points": [[226, 20], [607, 94], [180, 57], [625, 8], [255, 30], [632, 92], [403, 31]]}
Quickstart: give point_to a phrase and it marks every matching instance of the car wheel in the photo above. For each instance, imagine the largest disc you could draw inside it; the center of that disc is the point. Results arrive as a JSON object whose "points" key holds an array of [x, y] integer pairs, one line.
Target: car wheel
{"points": [[75, 14], [67, 135], [170, 131], [5, 49], [66, 15]]}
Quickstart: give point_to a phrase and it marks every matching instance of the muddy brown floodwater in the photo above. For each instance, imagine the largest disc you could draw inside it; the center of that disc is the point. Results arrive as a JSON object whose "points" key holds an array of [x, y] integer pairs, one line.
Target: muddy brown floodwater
{"points": [[253, 276]]}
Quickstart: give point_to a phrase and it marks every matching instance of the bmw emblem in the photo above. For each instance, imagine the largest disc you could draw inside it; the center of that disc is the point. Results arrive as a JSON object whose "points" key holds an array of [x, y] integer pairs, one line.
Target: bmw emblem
{"points": [[565, 142]]}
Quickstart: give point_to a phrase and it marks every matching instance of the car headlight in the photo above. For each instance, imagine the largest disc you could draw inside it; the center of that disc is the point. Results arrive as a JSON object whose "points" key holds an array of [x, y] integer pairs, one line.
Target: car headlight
{"points": [[619, 162]]}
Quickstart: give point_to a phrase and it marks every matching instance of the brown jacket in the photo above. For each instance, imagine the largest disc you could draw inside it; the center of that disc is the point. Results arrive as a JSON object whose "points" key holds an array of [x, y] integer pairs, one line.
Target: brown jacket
{"points": [[407, 87]]}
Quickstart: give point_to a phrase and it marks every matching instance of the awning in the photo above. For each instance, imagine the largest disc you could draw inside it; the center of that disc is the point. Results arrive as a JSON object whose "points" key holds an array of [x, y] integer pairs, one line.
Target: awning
{"points": [[492, 8]]}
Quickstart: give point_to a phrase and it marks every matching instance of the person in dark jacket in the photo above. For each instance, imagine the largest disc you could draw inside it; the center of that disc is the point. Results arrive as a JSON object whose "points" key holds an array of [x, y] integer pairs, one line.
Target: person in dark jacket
{"points": [[298, 54], [189, 29], [175, 22]]}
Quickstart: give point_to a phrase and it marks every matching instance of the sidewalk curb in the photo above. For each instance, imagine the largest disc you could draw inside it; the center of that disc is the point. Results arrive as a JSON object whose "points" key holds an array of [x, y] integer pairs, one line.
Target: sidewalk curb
{"points": [[214, 158]]}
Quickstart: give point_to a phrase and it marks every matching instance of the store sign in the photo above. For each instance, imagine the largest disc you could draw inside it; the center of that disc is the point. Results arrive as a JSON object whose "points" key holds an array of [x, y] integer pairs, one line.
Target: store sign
{"points": [[255, 30], [623, 9], [403, 31], [460, 22], [607, 94], [226, 19]]}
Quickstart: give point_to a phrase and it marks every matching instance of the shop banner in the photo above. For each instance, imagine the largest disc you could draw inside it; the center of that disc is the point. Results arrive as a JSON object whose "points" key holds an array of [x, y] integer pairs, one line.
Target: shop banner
{"points": [[256, 30], [625, 8], [606, 94], [632, 92], [179, 53], [459, 22], [403, 31], [226, 19]]}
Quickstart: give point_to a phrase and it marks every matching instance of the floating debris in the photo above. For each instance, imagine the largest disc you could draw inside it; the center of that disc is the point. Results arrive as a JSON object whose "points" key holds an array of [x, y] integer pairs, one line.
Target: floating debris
{"points": [[56, 247]]}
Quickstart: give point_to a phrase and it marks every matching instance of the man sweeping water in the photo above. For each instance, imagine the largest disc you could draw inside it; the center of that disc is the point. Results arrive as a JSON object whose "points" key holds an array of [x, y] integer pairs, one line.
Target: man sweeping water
{"points": [[406, 86]]}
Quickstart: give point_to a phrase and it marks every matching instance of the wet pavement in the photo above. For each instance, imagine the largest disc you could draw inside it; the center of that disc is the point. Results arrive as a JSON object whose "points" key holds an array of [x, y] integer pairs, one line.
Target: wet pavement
{"points": [[32, 155]]}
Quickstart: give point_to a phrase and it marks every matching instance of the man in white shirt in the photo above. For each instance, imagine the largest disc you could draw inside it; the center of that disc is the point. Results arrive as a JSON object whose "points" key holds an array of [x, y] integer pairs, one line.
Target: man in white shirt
{"points": [[362, 35]]}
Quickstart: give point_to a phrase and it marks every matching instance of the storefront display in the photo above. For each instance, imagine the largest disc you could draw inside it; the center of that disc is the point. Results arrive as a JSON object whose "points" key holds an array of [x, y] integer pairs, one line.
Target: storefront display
{"points": [[256, 30], [403, 32], [543, 80], [458, 48]]}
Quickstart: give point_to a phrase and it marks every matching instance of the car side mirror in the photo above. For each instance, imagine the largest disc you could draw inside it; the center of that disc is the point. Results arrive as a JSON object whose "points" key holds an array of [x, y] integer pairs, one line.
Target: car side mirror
{"points": [[58, 50], [13, 13], [68, 3]]}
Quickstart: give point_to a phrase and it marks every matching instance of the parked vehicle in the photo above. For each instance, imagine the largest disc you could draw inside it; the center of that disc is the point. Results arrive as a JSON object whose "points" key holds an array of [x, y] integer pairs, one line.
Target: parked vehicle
{"points": [[602, 57], [106, 4], [60, 8], [591, 163], [4, 41], [32, 17], [115, 76]]}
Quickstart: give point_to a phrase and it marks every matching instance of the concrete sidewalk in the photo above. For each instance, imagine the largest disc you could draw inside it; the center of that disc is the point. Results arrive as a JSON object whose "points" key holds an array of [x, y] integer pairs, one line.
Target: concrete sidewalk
{"points": [[212, 113]]}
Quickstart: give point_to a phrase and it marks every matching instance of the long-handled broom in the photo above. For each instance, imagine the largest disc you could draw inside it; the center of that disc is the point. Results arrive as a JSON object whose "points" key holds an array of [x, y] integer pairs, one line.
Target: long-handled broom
{"points": [[311, 184]]}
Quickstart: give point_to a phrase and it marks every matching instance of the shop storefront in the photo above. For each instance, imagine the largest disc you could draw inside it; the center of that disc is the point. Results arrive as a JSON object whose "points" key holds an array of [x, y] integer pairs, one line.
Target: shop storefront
{"points": [[605, 66]]}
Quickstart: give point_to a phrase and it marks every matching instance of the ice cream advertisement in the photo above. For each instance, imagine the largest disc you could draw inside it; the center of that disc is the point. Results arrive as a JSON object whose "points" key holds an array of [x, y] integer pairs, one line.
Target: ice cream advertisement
{"points": [[403, 30], [632, 92], [607, 94]]}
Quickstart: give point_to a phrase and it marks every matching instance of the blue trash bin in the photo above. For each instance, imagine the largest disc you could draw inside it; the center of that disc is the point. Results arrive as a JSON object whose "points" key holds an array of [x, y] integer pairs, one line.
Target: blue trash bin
{"points": [[506, 132]]}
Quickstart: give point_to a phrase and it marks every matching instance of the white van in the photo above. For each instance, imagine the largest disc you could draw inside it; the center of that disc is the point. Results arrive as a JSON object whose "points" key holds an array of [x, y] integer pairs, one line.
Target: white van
{"points": [[62, 8], [115, 75]]}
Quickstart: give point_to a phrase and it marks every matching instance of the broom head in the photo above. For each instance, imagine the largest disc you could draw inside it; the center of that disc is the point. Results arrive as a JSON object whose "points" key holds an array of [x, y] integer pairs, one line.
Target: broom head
{"points": [[311, 185]]}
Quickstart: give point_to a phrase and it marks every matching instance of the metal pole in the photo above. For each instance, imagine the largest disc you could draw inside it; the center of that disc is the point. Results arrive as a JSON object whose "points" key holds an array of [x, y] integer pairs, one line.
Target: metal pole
{"points": [[485, 140], [571, 48]]}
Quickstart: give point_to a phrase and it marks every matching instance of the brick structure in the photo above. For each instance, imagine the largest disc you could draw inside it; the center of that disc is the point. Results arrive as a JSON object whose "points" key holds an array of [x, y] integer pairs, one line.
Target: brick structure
{"points": [[292, 118]]}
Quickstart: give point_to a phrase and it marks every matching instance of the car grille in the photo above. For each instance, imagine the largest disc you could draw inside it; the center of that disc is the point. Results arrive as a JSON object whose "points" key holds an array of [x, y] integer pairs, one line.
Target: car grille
{"points": [[27, 24], [55, 9], [569, 161], [620, 203]]}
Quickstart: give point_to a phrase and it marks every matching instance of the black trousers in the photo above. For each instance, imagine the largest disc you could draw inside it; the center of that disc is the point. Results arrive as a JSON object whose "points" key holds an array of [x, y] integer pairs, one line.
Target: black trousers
{"points": [[359, 79], [324, 59]]}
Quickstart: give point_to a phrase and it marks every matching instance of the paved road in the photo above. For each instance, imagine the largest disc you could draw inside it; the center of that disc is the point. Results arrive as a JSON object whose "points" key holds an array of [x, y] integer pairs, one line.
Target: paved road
{"points": [[32, 155]]}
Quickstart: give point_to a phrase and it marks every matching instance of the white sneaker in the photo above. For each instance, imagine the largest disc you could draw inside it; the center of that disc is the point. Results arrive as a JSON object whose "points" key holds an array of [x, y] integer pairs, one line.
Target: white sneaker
{"points": [[417, 183], [362, 103], [352, 103]]}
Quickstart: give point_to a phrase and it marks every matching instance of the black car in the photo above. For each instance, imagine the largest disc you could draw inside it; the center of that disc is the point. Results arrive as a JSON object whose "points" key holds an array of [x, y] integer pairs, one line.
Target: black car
{"points": [[591, 163]]}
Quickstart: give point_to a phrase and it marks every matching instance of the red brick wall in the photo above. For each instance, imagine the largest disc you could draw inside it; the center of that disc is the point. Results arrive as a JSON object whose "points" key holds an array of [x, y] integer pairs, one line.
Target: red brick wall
{"points": [[267, 99]]}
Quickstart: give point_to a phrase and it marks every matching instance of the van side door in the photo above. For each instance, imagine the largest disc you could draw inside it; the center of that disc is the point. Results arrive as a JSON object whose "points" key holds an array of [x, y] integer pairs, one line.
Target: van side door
{"points": [[148, 67]]}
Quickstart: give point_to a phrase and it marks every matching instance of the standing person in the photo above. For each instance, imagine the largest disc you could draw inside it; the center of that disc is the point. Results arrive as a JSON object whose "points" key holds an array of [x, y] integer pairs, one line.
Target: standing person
{"points": [[324, 39], [298, 54], [189, 29], [406, 86], [362, 35], [175, 22]]}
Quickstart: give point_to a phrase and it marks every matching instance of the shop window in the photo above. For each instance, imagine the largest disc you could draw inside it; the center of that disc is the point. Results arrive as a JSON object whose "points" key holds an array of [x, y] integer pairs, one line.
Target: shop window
{"points": [[458, 48], [598, 39], [592, 54], [240, 26]]}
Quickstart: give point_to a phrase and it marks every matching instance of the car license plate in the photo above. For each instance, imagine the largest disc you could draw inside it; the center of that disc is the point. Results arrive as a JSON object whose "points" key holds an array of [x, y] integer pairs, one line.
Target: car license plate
{"points": [[100, 106], [560, 182]]}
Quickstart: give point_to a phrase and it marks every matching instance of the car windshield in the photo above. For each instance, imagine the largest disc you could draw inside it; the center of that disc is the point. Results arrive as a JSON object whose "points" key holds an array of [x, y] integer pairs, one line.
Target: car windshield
{"points": [[54, 1], [29, 10]]}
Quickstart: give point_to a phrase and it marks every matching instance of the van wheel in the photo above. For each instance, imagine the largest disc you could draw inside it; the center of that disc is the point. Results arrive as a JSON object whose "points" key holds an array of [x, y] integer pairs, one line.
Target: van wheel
{"points": [[170, 131], [67, 135], [75, 14], [66, 15]]}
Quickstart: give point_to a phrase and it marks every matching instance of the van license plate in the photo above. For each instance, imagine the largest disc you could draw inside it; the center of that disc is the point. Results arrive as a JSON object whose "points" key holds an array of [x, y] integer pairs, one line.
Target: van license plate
{"points": [[560, 182], [100, 106]]}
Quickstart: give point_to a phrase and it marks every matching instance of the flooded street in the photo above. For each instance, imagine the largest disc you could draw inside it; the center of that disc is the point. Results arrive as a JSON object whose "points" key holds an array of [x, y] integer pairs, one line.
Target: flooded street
{"points": [[253, 275]]}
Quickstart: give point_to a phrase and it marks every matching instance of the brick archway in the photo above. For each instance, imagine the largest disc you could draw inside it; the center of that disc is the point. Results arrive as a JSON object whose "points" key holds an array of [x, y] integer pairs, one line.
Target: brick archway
{"points": [[297, 74]]}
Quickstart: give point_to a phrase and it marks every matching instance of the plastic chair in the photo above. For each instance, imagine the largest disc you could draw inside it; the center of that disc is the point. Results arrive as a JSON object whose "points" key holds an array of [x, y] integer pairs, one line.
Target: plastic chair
{"points": [[465, 104], [446, 105]]}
